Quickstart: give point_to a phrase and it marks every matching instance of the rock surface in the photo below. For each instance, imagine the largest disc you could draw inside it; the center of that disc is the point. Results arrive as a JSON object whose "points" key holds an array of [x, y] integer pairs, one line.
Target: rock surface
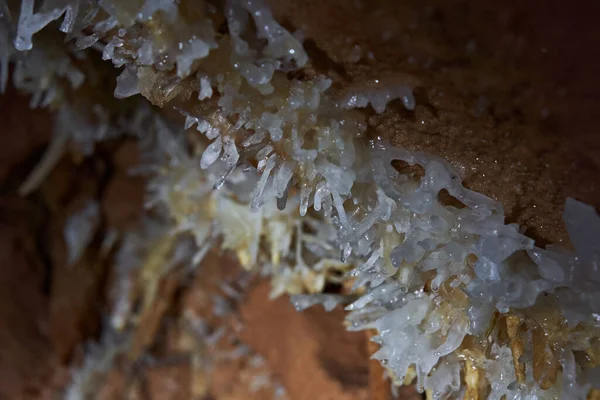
{"points": [[506, 92]]}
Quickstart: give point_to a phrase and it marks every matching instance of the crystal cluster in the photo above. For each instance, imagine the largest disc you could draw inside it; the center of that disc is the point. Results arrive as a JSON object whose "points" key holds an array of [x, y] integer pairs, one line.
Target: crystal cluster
{"points": [[282, 171]]}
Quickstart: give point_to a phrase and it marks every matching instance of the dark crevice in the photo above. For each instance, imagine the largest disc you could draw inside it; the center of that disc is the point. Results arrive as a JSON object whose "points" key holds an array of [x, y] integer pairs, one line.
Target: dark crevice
{"points": [[446, 199], [414, 171], [333, 288], [38, 214], [422, 99], [42, 245], [347, 376], [321, 60]]}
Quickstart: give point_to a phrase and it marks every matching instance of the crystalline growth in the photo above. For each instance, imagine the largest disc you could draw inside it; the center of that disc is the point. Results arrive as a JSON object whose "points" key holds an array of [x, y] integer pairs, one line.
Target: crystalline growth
{"points": [[379, 96], [583, 225], [283, 172], [80, 229], [30, 23]]}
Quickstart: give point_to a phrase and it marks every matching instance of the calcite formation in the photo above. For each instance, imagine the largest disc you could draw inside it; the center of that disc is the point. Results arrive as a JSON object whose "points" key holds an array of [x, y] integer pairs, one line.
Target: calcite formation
{"points": [[246, 150]]}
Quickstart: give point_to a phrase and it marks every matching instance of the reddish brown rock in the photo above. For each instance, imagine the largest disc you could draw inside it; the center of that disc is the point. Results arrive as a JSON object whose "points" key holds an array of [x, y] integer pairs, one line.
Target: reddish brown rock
{"points": [[24, 134], [26, 357], [123, 200], [313, 353]]}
